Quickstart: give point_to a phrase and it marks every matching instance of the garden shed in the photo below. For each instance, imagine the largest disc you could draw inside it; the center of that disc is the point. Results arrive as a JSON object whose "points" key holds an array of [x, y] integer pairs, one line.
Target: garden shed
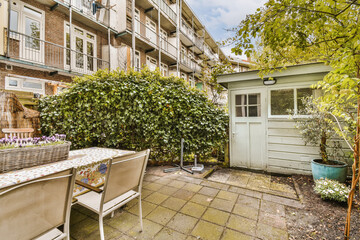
{"points": [[262, 135]]}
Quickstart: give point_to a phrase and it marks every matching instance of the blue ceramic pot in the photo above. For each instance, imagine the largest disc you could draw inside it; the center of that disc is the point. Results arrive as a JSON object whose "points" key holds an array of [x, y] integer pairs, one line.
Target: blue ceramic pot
{"points": [[335, 172]]}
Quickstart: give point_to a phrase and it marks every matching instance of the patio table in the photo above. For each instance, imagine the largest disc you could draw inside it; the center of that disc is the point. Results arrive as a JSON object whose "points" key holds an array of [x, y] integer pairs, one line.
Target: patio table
{"points": [[91, 164]]}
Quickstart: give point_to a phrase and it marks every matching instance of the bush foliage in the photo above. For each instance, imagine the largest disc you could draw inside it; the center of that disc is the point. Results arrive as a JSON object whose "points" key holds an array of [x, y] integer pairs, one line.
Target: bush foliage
{"points": [[135, 110], [332, 190]]}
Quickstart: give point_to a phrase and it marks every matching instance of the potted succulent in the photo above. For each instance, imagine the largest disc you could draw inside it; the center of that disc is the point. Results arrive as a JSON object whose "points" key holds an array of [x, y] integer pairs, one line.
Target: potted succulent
{"points": [[316, 129]]}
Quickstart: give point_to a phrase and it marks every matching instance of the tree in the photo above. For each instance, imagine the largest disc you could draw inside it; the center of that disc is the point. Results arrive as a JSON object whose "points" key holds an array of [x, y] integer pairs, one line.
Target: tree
{"points": [[210, 76], [297, 31]]}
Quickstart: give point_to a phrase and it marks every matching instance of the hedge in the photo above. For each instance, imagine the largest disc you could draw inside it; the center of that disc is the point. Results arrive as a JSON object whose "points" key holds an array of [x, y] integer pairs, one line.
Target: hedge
{"points": [[135, 110]]}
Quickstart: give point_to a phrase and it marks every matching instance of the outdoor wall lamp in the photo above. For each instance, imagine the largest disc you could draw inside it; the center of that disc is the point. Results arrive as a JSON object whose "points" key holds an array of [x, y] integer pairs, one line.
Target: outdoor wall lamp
{"points": [[268, 81]]}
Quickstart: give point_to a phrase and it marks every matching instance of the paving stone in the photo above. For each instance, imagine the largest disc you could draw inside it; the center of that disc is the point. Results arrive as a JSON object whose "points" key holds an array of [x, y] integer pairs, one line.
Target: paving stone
{"points": [[216, 216], [83, 228], [109, 232], [124, 237], [242, 224], [122, 221], [267, 232], [161, 215], [282, 187], [183, 194], [219, 176], [248, 201], [207, 231], [215, 185], [151, 178], [87, 212], [190, 179], [227, 195], [222, 204], [182, 223], [150, 230], [176, 184], [145, 193], [156, 198], [212, 192], [174, 203], [167, 234], [130, 204], [272, 220], [167, 190], [284, 201], [147, 207], [193, 209], [201, 199], [163, 181], [153, 186], [272, 208], [76, 217], [240, 181], [259, 183], [246, 211], [192, 187], [234, 235]]}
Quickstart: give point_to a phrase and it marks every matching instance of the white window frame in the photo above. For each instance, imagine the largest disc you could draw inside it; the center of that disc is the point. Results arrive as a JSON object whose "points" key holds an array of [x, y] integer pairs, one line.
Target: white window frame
{"points": [[150, 60], [192, 80], [73, 49], [164, 39], [137, 21], [286, 87], [151, 33], [137, 60], [20, 86], [164, 69]]}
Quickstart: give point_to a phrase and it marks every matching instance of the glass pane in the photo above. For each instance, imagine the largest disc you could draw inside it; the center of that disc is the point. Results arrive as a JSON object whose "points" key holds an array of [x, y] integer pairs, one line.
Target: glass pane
{"points": [[90, 36], [241, 111], [303, 93], [32, 12], [90, 60], [254, 99], [282, 101], [79, 53], [79, 31], [32, 29], [13, 83], [254, 111], [68, 59], [240, 99], [27, 84], [14, 20]]}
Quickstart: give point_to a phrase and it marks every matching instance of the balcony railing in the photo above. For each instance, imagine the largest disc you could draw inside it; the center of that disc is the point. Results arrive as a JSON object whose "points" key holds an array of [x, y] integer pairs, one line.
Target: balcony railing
{"points": [[166, 9], [168, 48], [188, 31], [89, 9], [197, 68], [199, 42], [35, 50], [188, 62]]}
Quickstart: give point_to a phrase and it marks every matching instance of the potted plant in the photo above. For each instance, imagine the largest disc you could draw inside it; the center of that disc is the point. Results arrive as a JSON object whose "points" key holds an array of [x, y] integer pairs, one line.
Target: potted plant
{"points": [[316, 129]]}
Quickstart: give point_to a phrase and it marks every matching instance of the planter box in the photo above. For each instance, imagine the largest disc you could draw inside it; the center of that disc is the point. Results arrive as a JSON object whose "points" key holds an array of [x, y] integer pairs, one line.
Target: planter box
{"points": [[18, 158], [334, 172]]}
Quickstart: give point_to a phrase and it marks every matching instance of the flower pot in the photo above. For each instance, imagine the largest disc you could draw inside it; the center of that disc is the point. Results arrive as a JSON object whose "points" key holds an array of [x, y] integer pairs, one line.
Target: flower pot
{"points": [[335, 172]]}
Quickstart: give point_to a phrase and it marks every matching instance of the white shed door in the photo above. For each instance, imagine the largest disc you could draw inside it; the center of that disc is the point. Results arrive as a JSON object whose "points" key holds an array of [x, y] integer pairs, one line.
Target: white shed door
{"points": [[248, 136]]}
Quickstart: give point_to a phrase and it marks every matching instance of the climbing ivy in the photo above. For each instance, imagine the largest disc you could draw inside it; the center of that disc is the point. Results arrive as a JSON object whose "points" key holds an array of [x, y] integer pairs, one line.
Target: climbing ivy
{"points": [[135, 110]]}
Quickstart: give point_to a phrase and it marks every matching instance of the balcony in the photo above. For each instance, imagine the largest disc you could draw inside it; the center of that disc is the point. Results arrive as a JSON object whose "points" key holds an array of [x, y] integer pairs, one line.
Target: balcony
{"points": [[35, 51], [188, 64], [187, 34], [168, 48]]}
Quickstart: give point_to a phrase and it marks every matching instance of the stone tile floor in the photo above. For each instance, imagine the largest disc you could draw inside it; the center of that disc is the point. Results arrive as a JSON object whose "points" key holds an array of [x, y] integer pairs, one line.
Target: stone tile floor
{"points": [[229, 205]]}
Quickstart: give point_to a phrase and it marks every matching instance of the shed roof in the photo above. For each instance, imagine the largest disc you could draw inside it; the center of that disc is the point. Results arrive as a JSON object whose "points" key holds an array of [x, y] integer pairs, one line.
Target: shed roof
{"points": [[299, 69]]}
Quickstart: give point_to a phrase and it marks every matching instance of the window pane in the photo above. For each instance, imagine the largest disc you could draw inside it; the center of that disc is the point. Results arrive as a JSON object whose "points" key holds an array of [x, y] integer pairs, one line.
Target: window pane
{"points": [[240, 99], [241, 111], [90, 59], [32, 29], [13, 83], [35, 85], [282, 101], [254, 99], [32, 12], [14, 20], [254, 111], [303, 93], [79, 53]]}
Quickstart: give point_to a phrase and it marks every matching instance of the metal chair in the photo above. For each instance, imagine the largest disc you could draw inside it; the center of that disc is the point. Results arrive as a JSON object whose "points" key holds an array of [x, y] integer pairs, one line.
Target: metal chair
{"points": [[35, 209], [123, 183]]}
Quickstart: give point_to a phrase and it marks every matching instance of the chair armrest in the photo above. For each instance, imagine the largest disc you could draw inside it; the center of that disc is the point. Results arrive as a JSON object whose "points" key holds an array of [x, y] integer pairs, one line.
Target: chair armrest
{"points": [[88, 186], [74, 200]]}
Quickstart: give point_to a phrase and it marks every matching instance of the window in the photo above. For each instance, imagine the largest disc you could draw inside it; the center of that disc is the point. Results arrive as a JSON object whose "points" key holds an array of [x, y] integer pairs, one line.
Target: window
{"points": [[284, 101], [164, 69], [164, 39], [191, 81], [151, 63], [25, 84], [84, 45], [248, 105], [14, 18], [137, 61]]}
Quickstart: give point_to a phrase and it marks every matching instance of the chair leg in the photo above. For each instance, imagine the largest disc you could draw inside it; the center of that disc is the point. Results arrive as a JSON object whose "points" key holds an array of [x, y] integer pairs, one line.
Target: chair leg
{"points": [[101, 227], [112, 214], [140, 214]]}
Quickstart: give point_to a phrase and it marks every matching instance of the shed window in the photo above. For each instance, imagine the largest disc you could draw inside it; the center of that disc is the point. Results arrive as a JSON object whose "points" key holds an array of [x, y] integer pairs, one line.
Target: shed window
{"points": [[285, 101], [248, 105]]}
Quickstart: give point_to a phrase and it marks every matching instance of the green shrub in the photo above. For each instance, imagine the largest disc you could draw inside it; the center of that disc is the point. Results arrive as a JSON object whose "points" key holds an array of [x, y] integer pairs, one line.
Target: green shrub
{"points": [[332, 190], [135, 110]]}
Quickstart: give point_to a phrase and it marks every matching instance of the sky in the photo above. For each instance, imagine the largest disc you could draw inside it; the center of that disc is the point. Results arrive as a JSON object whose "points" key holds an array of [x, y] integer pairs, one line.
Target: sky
{"points": [[220, 15]]}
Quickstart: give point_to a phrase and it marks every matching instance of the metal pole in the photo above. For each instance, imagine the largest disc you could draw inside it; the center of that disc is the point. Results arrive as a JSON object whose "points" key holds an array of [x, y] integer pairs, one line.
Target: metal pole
{"points": [[109, 41], [8, 30], [182, 153], [133, 33], [70, 28], [178, 6], [159, 36]]}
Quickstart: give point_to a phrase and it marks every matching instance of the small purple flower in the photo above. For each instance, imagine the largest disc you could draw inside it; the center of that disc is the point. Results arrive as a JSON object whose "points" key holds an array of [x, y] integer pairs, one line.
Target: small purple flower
{"points": [[102, 168]]}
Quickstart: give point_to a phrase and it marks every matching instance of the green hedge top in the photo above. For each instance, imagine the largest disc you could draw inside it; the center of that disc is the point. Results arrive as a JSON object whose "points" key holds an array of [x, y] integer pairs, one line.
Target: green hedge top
{"points": [[134, 110]]}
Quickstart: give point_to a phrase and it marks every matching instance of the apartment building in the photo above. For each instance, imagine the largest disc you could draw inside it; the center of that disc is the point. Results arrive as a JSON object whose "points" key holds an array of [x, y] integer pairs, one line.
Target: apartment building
{"points": [[45, 43]]}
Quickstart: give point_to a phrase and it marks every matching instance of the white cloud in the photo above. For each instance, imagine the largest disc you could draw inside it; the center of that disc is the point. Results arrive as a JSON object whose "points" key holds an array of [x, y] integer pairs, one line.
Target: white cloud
{"points": [[220, 15]]}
